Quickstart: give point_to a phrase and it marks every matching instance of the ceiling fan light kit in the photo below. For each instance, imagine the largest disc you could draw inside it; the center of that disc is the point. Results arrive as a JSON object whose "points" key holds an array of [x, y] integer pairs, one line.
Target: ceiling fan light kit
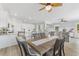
{"points": [[48, 7]]}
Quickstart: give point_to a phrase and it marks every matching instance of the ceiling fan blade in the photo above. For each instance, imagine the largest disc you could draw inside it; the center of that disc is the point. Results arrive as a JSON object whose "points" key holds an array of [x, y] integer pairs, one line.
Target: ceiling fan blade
{"points": [[42, 8], [43, 3], [56, 4]]}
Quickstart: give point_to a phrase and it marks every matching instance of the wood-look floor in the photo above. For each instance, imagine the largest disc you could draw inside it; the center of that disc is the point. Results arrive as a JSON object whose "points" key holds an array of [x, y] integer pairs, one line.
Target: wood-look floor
{"points": [[70, 50], [10, 51]]}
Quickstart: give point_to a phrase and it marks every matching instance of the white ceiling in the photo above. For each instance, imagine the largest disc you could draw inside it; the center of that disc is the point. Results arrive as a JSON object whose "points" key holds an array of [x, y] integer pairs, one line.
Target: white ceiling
{"points": [[29, 12]]}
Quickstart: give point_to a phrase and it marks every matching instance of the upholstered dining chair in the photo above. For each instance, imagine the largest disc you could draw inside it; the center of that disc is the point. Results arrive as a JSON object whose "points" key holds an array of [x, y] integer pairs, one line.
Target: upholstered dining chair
{"points": [[62, 47], [28, 52], [25, 49], [58, 49], [20, 47]]}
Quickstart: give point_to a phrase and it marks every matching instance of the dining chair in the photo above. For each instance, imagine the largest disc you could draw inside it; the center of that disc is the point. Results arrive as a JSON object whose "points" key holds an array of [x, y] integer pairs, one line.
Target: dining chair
{"points": [[35, 36], [25, 49], [58, 48], [20, 47], [51, 33], [62, 47], [43, 35], [55, 50], [28, 52]]}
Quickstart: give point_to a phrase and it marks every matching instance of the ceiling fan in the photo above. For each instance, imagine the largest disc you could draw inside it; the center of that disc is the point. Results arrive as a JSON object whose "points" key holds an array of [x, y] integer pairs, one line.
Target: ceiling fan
{"points": [[49, 6]]}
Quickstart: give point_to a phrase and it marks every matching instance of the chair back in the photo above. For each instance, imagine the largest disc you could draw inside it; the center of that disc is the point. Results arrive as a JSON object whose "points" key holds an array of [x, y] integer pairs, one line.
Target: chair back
{"points": [[57, 49], [62, 47], [51, 33], [20, 47], [25, 49], [62, 43]]}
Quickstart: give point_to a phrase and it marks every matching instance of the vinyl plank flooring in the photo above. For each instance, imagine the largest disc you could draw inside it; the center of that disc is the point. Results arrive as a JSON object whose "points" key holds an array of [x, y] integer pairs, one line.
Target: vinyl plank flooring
{"points": [[70, 50], [10, 51]]}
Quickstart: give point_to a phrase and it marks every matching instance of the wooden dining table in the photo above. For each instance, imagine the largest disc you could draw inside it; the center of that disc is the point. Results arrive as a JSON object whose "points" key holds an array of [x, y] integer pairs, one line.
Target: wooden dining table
{"points": [[42, 46]]}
